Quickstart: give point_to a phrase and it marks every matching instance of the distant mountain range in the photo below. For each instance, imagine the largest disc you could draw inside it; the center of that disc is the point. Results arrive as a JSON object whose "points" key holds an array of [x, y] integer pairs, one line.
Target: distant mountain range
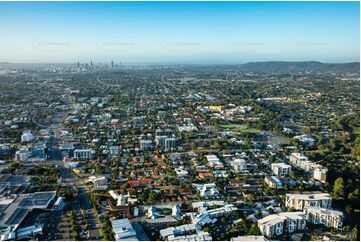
{"points": [[286, 66]]}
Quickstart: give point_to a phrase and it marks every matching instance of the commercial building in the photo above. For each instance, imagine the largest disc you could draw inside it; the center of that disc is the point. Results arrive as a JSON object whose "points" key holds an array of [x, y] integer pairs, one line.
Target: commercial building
{"points": [[22, 154], [100, 182], [15, 212], [84, 154], [27, 136], [123, 230]]}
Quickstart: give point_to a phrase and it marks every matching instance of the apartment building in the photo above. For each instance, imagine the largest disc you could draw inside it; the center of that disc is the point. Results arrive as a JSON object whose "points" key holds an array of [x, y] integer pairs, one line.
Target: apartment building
{"points": [[281, 169], [207, 190], [146, 144], [327, 217], [297, 159], [299, 201], [219, 212], [186, 232], [238, 165], [282, 223], [319, 173], [273, 182], [213, 161]]}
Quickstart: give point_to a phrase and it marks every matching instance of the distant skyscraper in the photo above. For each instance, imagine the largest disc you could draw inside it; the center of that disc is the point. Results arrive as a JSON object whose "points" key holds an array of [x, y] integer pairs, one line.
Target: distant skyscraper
{"points": [[91, 63], [78, 64], [112, 64]]}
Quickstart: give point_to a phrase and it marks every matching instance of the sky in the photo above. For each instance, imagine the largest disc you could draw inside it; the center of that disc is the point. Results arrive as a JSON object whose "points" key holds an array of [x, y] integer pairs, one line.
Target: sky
{"points": [[179, 32]]}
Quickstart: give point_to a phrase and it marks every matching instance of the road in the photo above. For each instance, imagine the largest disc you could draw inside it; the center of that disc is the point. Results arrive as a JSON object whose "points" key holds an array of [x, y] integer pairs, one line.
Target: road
{"points": [[81, 200]]}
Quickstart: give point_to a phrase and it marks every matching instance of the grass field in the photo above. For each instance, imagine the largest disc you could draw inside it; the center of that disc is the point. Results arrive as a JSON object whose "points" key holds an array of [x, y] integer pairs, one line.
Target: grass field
{"points": [[240, 128]]}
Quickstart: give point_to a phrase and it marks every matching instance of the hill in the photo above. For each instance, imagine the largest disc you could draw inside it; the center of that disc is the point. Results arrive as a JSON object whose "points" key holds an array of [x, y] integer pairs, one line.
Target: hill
{"points": [[286, 66]]}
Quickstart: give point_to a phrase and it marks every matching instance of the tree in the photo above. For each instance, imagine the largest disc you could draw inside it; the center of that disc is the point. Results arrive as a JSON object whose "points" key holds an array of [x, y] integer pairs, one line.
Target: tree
{"points": [[254, 230], [338, 189], [13, 167], [353, 195], [355, 234]]}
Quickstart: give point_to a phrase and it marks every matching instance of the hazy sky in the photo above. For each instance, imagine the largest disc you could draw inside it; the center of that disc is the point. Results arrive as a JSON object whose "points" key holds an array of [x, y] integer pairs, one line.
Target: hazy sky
{"points": [[182, 32]]}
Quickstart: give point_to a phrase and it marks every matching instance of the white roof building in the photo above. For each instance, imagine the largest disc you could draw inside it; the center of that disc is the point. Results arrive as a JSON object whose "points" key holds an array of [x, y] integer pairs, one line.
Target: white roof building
{"points": [[273, 182], [299, 201], [201, 218], [213, 161], [319, 173], [188, 232], [249, 238], [207, 190], [123, 230], [203, 205], [27, 136], [327, 217], [218, 212], [296, 159], [281, 169], [277, 224], [238, 164]]}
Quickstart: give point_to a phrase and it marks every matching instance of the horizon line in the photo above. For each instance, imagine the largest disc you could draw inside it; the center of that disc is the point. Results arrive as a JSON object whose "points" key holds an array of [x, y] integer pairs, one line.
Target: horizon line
{"points": [[175, 62]]}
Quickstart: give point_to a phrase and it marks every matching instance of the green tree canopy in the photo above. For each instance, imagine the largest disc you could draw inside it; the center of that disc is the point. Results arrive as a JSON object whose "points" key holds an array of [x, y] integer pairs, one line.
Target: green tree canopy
{"points": [[339, 189]]}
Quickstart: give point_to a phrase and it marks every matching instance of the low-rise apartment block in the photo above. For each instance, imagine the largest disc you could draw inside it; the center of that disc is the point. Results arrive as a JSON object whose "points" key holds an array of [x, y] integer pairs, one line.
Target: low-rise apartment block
{"points": [[281, 169], [207, 190], [299, 201], [273, 182], [327, 217], [319, 173], [282, 223]]}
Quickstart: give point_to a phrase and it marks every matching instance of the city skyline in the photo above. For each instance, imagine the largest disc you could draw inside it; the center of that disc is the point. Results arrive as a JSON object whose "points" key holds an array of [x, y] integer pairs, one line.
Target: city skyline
{"points": [[179, 32]]}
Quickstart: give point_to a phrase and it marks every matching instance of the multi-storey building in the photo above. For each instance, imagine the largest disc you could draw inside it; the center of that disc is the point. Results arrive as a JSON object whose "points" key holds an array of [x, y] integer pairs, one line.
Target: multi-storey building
{"points": [[146, 144], [281, 169], [84, 154], [319, 173], [297, 159], [327, 217], [282, 223], [273, 182], [299, 201]]}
